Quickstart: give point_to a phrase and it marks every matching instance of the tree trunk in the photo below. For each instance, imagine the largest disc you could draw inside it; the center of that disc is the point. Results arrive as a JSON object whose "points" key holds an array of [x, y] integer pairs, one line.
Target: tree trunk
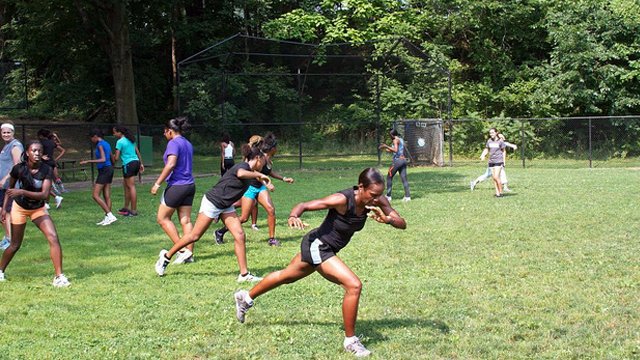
{"points": [[112, 17]]}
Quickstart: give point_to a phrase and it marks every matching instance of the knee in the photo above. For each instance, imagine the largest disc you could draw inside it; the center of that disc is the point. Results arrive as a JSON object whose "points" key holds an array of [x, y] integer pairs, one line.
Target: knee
{"points": [[271, 211], [354, 286], [161, 220], [184, 221], [239, 236]]}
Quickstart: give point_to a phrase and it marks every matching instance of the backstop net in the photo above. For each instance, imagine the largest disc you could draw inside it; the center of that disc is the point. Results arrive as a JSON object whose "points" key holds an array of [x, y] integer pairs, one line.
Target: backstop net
{"points": [[423, 140]]}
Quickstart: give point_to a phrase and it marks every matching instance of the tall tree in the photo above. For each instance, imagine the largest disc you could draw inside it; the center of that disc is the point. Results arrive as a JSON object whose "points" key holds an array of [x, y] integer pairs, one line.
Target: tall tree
{"points": [[112, 35]]}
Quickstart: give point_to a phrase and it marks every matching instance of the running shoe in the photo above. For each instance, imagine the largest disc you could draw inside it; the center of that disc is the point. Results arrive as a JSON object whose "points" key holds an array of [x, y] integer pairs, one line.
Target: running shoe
{"points": [[123, 211], [254, 227], [2, 278], [242, 306], [406, 199], [219, 237], [101, 223], [132, 213], [4, 244], [59, 201], [46, 206], [388, 198], [183, 256], [248, 277], [108, 220], [273, 242], [61, 281], [356, 348], [162, 263], [505, 188], [472, 185]]}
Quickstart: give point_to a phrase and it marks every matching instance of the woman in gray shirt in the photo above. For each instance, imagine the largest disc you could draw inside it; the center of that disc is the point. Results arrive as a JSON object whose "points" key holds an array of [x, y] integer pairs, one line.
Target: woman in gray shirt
{"points": [[9, 156], [494, 148]]}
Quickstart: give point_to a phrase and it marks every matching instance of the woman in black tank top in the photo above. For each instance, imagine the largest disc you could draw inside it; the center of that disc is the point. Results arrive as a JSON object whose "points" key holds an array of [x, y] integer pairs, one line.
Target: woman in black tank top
{"points": [[348, 210]]}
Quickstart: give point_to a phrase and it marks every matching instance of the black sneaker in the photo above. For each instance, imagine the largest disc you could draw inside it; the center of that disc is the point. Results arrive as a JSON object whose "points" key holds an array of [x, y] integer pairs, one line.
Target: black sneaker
{"points": [[219, 237]]}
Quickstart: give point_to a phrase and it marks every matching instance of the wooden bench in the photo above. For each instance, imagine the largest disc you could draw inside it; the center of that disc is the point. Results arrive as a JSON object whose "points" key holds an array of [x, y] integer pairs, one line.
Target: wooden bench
{"points": [[70, 167]]}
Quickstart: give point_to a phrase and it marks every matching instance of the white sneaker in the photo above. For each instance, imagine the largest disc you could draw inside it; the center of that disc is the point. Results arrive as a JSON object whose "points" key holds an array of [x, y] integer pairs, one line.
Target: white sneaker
{"points": [[472, 184], [406, 199], [61, 281], [4, 244], [162, 263], [183, 256], [2, 278], [242, 306], [103, 221], [59, 201], [357, 349], [254, 227], [249, 277], [505, 189], [108, 220], [388, 198], [46, 206]]}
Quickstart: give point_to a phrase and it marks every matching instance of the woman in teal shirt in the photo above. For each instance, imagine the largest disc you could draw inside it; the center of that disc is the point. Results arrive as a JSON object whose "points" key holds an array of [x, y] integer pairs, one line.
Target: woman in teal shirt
{"points": [[128, 153]]}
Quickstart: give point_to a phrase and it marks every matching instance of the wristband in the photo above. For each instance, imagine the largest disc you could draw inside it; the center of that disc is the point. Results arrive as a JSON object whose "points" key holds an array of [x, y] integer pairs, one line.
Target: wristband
{"points": [[156, 185], [390, 222], [292, 216]]}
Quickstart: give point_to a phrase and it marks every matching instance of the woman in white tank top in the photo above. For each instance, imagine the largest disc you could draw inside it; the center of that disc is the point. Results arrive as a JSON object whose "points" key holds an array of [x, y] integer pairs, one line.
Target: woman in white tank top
{"points": [[227, 152]]}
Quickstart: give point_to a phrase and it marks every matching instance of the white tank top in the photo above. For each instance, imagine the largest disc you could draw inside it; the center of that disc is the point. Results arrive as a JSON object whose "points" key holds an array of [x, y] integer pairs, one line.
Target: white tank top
{"points": [[228, 151]]}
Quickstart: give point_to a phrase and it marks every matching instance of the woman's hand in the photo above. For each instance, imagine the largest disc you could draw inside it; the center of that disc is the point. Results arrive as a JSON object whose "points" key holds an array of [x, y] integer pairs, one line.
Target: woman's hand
{"points": [[14, 192], [155, 188], [141, 168], [377, 214], [288, 180], [296, 223]]}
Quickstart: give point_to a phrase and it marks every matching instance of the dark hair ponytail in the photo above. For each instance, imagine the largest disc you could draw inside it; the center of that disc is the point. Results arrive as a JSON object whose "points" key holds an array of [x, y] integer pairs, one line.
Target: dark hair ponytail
{"points": [[370, 176], [179, 124], [269, 142], [251, 152], [96, 132], [125, 132], [25, 174]]}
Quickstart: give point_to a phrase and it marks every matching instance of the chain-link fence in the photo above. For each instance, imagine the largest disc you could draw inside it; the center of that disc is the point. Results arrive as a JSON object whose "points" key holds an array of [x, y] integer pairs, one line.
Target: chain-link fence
{"points": [[552, 142]]}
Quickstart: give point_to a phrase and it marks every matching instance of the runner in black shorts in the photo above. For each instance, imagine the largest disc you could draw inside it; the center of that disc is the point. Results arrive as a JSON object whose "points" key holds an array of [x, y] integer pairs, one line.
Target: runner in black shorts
{"points": [[181, 186], [348, 212], [102, 188]]}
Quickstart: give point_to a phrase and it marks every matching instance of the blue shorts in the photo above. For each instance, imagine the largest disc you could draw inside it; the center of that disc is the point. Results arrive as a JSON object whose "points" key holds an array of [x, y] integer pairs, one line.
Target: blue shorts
{"points": [[252, 192]]}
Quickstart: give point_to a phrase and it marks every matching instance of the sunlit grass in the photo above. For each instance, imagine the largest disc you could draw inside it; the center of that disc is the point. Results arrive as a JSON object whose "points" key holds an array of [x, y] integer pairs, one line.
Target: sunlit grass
{"points": [[549, 271]]}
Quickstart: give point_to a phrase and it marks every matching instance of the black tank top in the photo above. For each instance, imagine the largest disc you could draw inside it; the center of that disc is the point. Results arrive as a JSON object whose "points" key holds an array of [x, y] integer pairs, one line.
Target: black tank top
{"points": [[336, 230], [266, 169], [30, 182]]}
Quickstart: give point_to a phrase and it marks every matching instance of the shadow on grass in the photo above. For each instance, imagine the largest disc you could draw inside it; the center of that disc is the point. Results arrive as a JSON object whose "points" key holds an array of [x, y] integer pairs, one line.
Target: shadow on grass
{"points": [[371, 328], [426, 182]]}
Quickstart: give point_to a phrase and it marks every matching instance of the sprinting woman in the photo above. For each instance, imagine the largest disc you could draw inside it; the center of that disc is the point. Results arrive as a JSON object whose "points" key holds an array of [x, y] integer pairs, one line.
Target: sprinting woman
{"points": [[9, 157], [181, 186], [217, 203], [399, 164], [227, 153], [48, 147], [102, 187], [35, 179], [503, 173], [348, 212], [128, 153], [495, 147], [257, 193]]}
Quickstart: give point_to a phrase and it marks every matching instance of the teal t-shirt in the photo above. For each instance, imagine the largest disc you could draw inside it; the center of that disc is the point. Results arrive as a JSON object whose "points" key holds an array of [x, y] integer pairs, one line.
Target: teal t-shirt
{"points": [[127, 150]]}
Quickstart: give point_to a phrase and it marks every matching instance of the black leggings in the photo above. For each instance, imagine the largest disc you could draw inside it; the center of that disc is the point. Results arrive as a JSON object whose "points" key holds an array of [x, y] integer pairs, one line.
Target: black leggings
{"points": [[399, 165]]}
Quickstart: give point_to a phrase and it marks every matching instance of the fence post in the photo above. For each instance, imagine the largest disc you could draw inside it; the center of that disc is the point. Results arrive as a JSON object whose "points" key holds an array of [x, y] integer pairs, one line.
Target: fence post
{"points": [[522, 144], [299, 118], [590, 154], [379, 140]]}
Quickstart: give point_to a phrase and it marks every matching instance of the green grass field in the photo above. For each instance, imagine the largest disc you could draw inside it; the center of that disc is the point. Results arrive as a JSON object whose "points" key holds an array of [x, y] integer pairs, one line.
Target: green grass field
{"points": [[550, 271]]}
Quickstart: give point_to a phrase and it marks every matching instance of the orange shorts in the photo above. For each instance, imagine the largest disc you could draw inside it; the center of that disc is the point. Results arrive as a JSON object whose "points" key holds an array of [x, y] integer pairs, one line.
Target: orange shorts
{"points": [[19, 214]]}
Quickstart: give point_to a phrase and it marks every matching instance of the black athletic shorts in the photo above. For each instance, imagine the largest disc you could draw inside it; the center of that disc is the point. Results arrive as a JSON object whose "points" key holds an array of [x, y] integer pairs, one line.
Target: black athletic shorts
{"points": [[175, 196], [105, 175], [2, 194], [131, 169], [314, 251], [496, 164]]}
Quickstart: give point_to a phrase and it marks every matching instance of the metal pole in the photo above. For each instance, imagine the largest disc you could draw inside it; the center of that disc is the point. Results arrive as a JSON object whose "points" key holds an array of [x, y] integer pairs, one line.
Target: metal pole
{"points": [[522, 144], [379, 140], [26, 90], [223, 113], [300, 118], [450, 121], [590, 154]]}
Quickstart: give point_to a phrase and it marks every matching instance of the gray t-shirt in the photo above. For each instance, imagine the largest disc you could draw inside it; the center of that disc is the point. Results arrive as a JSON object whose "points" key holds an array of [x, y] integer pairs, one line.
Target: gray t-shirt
{"points": [[6, 159], [495, 151]]}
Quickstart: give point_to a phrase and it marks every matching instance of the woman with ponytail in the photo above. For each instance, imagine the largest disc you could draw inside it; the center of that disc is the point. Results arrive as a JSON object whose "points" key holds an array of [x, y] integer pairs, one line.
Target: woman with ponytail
{"points": [[217, 204], [128, 152]]}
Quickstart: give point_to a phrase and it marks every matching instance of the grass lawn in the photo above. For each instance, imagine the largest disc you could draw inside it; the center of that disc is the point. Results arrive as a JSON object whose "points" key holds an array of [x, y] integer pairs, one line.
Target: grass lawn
{"points": [[550, 271]]}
